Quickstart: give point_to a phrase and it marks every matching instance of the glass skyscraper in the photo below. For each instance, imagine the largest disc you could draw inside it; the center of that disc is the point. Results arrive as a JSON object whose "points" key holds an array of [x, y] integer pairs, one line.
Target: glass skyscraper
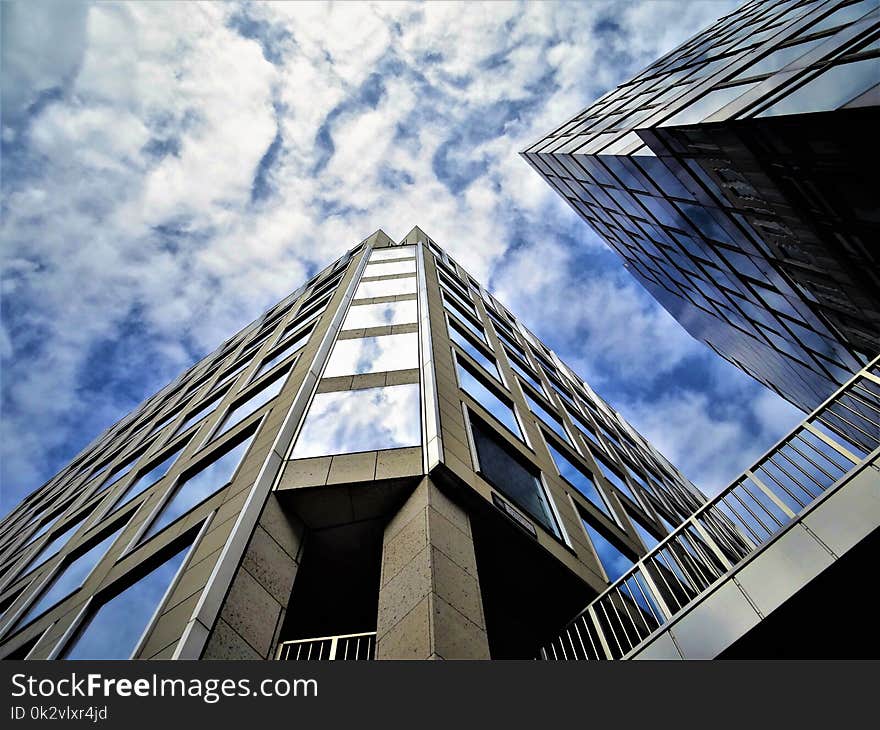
{"points": [[386, 464], [735, 176]]}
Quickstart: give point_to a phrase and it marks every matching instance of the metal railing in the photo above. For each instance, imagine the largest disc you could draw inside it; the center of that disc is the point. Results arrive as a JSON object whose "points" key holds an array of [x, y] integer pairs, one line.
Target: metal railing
{"points": [[346, 647], [834, 440]]}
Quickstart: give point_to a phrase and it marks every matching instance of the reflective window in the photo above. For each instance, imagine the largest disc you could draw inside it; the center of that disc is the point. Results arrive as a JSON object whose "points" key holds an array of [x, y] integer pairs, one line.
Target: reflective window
{"points": [[276, 357], [296, 342], [525, 373], [397, 252], [150, 477], [580, 480], [468, 324], [254, 401], [511, 477], [54, 545], [612, 476], [114, 630], [612, 559], [230, 374], [121, 472], [201, 412], [371, 419], [374, 355], [698, 110], [829, 90], [464, 342], [68, 579], [390, 268], [475, 388], [381, 315], [548, 418], [386, 288], [647, 538], [197, 487]]}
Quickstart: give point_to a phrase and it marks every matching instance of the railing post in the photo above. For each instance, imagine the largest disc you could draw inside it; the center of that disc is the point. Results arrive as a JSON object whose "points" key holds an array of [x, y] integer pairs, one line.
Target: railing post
{"points": [[333, 644], [771, 494], [707, 538], [601, 634]]}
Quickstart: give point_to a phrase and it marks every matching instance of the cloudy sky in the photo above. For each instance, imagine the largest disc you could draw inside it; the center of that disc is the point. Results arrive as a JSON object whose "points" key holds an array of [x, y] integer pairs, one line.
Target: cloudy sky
{"points": [[170, 170]]}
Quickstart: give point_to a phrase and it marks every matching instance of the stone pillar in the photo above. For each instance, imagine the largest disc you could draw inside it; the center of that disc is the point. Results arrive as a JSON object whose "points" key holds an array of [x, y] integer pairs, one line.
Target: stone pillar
{"points": [[257, 601], [429, 600]]}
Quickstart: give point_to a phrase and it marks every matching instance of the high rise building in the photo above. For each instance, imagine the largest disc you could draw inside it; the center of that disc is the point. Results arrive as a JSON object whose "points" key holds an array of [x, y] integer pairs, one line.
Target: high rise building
{"points": [[735, 177], [387, 463]]}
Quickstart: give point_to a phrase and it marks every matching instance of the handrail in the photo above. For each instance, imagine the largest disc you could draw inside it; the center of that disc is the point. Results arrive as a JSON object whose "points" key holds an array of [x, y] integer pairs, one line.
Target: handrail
{"points": [[836, 438], [351, 647]]}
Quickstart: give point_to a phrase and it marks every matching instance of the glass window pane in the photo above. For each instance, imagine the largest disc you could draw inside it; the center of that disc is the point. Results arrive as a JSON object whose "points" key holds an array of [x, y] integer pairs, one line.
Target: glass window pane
{"points": [[374, 355], [390, 268], [396, 252], [349, 421], [115, 629], [829, 90], [149, 478], [648, 539], [198, 414], [276, 357], [612, 476], [121, 471], [69, 579], [580, 480], [486, 398], [612, 559], [524, 374], [386, 288], [464, 342], [199, 486], [510, 477], [256, 400], [468, 324], [381, 315], [546, 417], [53, 546]]}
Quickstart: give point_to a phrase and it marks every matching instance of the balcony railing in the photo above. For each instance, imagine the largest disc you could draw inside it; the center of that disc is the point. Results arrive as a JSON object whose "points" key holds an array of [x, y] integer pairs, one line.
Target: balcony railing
{"points": [[346, 647], [834, 440]]}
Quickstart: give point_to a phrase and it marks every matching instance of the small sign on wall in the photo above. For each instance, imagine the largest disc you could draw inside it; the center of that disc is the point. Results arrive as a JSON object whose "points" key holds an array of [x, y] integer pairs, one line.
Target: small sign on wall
{"points": [[513, 513]]}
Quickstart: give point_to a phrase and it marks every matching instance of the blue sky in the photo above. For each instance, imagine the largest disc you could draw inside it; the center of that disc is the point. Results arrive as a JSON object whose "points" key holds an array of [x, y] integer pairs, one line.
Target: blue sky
{"points": [[170, 170]]}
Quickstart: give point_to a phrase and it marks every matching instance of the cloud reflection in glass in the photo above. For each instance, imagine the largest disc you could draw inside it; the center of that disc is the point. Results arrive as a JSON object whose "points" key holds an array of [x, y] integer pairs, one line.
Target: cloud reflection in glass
{"points": [[349, 421]]}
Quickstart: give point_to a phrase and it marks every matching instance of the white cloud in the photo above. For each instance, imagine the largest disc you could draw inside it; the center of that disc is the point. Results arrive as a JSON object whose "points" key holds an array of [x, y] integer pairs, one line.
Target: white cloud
{"points": [[129, 228]]}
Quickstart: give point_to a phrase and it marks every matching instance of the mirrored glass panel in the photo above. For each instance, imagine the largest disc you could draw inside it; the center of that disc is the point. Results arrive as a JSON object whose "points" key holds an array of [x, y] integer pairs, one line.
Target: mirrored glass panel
{"points": [[374, 355], [477, 390], [361, 316], [199, 413], [580, 480], [511, 477], [68, 579], [276, 357], [114, 630], [397, 252], [349, 421], [611, 557], [199, 486], [390, 268], [149, 478], [53, 546], [547, 417], [457, 335], [386, 288], [255, 401]]}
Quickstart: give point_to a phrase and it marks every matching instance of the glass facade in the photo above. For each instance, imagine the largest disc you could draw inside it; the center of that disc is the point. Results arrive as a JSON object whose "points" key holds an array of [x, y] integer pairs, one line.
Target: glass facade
{"points": [[730, 177], [391, 367], [114, 629]]}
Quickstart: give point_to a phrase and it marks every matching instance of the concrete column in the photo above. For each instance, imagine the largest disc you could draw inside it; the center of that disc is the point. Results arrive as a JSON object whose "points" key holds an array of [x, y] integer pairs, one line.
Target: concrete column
{"points": [[429, 600], [257, 601]]}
